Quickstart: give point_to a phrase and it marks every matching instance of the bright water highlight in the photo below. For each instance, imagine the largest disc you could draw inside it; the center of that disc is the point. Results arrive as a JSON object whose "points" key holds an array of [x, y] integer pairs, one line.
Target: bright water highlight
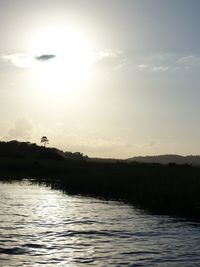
{"points": [[40, 226]]}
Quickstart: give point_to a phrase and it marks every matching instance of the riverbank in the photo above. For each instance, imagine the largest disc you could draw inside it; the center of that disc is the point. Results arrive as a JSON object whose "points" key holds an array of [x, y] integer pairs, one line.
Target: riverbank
{"points": [[170, 188], [164, 188]]}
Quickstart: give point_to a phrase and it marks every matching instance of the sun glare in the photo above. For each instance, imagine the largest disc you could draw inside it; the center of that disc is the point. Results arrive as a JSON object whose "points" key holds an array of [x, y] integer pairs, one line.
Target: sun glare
{"points": [[70, 59]]}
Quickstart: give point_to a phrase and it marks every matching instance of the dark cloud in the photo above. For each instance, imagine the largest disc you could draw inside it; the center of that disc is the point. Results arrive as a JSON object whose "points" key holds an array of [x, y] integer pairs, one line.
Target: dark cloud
{"points": [[45, 57]]}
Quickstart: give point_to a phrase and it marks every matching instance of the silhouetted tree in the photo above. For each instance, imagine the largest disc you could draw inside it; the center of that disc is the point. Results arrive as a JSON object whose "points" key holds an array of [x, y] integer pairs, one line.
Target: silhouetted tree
{"points": [[44, 140]]}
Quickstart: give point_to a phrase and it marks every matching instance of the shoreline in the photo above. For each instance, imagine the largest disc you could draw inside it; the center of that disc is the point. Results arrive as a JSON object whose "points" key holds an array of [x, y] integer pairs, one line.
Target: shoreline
{"points": [[168, 189]]}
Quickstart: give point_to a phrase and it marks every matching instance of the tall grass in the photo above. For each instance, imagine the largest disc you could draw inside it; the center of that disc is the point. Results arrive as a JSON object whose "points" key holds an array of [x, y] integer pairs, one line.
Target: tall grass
{"points": [[164, 188]]}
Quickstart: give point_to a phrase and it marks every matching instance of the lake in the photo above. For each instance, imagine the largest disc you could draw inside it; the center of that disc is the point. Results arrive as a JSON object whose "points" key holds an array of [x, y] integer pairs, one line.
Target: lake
{"points": [[40, 226]]}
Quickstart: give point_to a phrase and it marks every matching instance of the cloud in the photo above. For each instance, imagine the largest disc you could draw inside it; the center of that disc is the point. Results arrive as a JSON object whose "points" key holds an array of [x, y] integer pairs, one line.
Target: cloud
{"points": [[45, 57], [153, 68], [108, 54], [142, 66], [189, 62], [186, 59], [20, 60], [110, 59], [4, 126], [160, 68], [107, 58], [158, 62], [21, 130], [25, 60], [114, 60], [168, 62]]}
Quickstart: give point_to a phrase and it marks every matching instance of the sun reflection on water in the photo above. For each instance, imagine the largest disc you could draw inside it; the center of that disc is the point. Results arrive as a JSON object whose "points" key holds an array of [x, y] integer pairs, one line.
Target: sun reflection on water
{"points": [[42, 226]]}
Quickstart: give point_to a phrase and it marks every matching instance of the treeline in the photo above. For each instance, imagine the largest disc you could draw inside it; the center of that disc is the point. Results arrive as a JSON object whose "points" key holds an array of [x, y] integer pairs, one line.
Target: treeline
{"points": [[15, 149]]}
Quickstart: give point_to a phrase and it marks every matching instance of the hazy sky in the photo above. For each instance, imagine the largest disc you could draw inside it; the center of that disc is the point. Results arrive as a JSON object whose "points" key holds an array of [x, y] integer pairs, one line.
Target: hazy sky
{"points": [[109, 78]]}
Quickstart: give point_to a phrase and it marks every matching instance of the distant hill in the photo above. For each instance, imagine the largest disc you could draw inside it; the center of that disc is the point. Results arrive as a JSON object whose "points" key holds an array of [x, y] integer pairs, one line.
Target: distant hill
{"points": [[166, 159]]}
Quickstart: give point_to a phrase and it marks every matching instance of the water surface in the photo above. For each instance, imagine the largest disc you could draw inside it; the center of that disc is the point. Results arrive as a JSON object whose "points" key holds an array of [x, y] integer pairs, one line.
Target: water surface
{"points": [[40, 226]]}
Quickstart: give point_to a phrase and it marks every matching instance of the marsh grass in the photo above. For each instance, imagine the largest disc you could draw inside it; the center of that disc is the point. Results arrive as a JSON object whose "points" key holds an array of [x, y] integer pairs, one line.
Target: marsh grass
{"points": [[168, 188]]}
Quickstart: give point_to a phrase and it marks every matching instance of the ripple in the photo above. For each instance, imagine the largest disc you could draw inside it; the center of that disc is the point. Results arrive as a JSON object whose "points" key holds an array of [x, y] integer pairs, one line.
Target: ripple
{"points": [[140, 252], [29, 245], [40, 226], [13, 251]]}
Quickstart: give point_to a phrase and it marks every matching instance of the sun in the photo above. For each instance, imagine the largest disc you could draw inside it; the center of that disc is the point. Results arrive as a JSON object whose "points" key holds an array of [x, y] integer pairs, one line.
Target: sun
{"points": [[69, 58]]}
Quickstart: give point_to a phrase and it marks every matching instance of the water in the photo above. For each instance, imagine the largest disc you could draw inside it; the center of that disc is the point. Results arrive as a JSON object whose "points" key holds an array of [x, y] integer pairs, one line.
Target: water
{"points": [[40, 226]]}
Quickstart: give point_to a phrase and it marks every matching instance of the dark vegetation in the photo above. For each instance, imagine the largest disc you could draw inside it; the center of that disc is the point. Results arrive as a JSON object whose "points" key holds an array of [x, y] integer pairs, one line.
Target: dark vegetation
{"points": [[170, 188]]}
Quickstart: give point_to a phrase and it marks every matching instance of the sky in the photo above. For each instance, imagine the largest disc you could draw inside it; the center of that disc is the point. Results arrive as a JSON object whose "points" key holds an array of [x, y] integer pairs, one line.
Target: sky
{"points": [[111, 79]]}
